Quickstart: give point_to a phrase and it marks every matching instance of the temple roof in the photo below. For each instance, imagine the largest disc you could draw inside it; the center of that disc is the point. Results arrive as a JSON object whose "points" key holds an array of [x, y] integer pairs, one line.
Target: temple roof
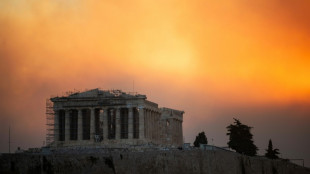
{"points": [[95, 93]]}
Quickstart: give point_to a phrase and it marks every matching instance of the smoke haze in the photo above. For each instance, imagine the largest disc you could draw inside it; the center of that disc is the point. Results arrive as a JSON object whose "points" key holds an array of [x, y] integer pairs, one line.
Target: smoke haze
{"points": [[213, 59]]}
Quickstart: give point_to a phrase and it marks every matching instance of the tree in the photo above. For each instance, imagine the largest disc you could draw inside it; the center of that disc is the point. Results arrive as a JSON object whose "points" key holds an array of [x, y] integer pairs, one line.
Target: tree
{"points": [[200, 139], [270, 152], [240, 138]]}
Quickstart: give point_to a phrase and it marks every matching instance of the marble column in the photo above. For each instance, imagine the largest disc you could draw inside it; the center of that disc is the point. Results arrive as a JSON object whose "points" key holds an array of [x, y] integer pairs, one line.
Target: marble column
{"points": [[56, 126], [174, 131], [130, 123], [181, 131], [92, 124], [105, 124], [157, 126], [148, 124], [152, 125], [160, 132], [80, 125], [101, 122], [145, 122], [118, 124], [141, 122], [67, 125], [178, 131]]}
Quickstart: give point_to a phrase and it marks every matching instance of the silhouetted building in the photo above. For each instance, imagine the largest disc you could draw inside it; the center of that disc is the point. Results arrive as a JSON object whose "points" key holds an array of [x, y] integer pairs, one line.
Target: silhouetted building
{"points": [[111, 118]]}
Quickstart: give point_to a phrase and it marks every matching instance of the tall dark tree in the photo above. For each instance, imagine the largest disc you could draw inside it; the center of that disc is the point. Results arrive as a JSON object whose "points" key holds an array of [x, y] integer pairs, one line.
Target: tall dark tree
{"points": [[270, 152], [200, 139], [240, 138]]}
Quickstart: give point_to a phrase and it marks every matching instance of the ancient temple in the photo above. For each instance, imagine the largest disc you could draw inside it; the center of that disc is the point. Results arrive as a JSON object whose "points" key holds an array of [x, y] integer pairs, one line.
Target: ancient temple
{"points": [[112, 118]]}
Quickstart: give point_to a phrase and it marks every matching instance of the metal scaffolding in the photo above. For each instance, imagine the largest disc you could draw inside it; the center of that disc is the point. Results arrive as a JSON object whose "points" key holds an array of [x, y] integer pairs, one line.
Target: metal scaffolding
{"points": [[50, 121]]}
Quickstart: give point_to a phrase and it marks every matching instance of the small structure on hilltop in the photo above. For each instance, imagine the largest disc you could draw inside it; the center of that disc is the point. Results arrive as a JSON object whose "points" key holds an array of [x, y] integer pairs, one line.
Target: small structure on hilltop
{"points": [[111, 118]]}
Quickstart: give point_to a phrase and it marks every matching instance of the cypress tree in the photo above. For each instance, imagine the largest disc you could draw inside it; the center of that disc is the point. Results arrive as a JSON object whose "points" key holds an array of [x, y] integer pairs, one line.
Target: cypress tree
{"points": [[270, 152], [240, 138], [200, 139]]}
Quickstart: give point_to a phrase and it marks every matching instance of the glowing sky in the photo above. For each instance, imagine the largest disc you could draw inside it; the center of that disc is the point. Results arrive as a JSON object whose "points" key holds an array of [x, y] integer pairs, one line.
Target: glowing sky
{"points": [[213, 59]]}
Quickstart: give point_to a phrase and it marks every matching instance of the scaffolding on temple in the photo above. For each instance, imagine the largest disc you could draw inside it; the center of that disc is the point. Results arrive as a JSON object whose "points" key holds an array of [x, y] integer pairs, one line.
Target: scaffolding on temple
{"points": [[50, 121]]}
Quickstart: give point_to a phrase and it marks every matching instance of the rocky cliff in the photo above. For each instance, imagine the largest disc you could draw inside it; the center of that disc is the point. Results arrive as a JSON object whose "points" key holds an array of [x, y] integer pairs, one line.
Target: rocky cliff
{"points": [[155, 161]]}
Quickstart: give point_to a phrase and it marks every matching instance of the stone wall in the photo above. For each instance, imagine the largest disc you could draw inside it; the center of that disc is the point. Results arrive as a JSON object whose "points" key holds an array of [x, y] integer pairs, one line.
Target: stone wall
{"points": [[171, 127], [148, 161]]}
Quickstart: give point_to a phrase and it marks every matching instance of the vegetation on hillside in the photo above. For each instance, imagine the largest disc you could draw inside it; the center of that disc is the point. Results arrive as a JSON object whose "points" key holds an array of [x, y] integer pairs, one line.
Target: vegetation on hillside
{"points": [[241, 138], [270, 152], [200, 139]]}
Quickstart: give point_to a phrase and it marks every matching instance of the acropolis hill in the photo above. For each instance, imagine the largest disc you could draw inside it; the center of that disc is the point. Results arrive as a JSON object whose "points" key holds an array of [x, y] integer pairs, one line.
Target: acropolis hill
{"points": [[150, 161], [109, 131]]}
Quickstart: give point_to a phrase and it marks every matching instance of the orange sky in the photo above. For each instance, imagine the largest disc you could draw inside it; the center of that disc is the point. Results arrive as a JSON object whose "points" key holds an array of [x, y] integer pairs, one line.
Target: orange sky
{"points": [[214, 59]]}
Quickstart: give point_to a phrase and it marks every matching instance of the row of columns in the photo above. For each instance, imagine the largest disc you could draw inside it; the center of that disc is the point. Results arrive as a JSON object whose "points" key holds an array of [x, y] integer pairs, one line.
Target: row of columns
{"points": [[175, 131], [103, 118], [152, 123]]}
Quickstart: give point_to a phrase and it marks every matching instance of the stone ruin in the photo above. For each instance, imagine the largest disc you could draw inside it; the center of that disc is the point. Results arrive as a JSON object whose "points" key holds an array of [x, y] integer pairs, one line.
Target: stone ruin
{"points": [[112, 119]]}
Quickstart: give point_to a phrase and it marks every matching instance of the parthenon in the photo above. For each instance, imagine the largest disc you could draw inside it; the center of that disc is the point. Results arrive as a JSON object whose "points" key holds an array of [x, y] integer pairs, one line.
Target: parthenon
{"points": [[111, 118]]}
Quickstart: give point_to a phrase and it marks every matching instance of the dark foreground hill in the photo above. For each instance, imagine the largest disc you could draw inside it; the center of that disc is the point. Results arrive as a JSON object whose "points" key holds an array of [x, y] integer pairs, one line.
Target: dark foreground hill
{"points": [[135, 162]]}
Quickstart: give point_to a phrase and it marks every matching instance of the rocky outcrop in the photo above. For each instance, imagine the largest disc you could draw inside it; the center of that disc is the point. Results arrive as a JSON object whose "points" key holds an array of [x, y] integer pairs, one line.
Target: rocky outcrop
{"points": [[156, 161]]}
